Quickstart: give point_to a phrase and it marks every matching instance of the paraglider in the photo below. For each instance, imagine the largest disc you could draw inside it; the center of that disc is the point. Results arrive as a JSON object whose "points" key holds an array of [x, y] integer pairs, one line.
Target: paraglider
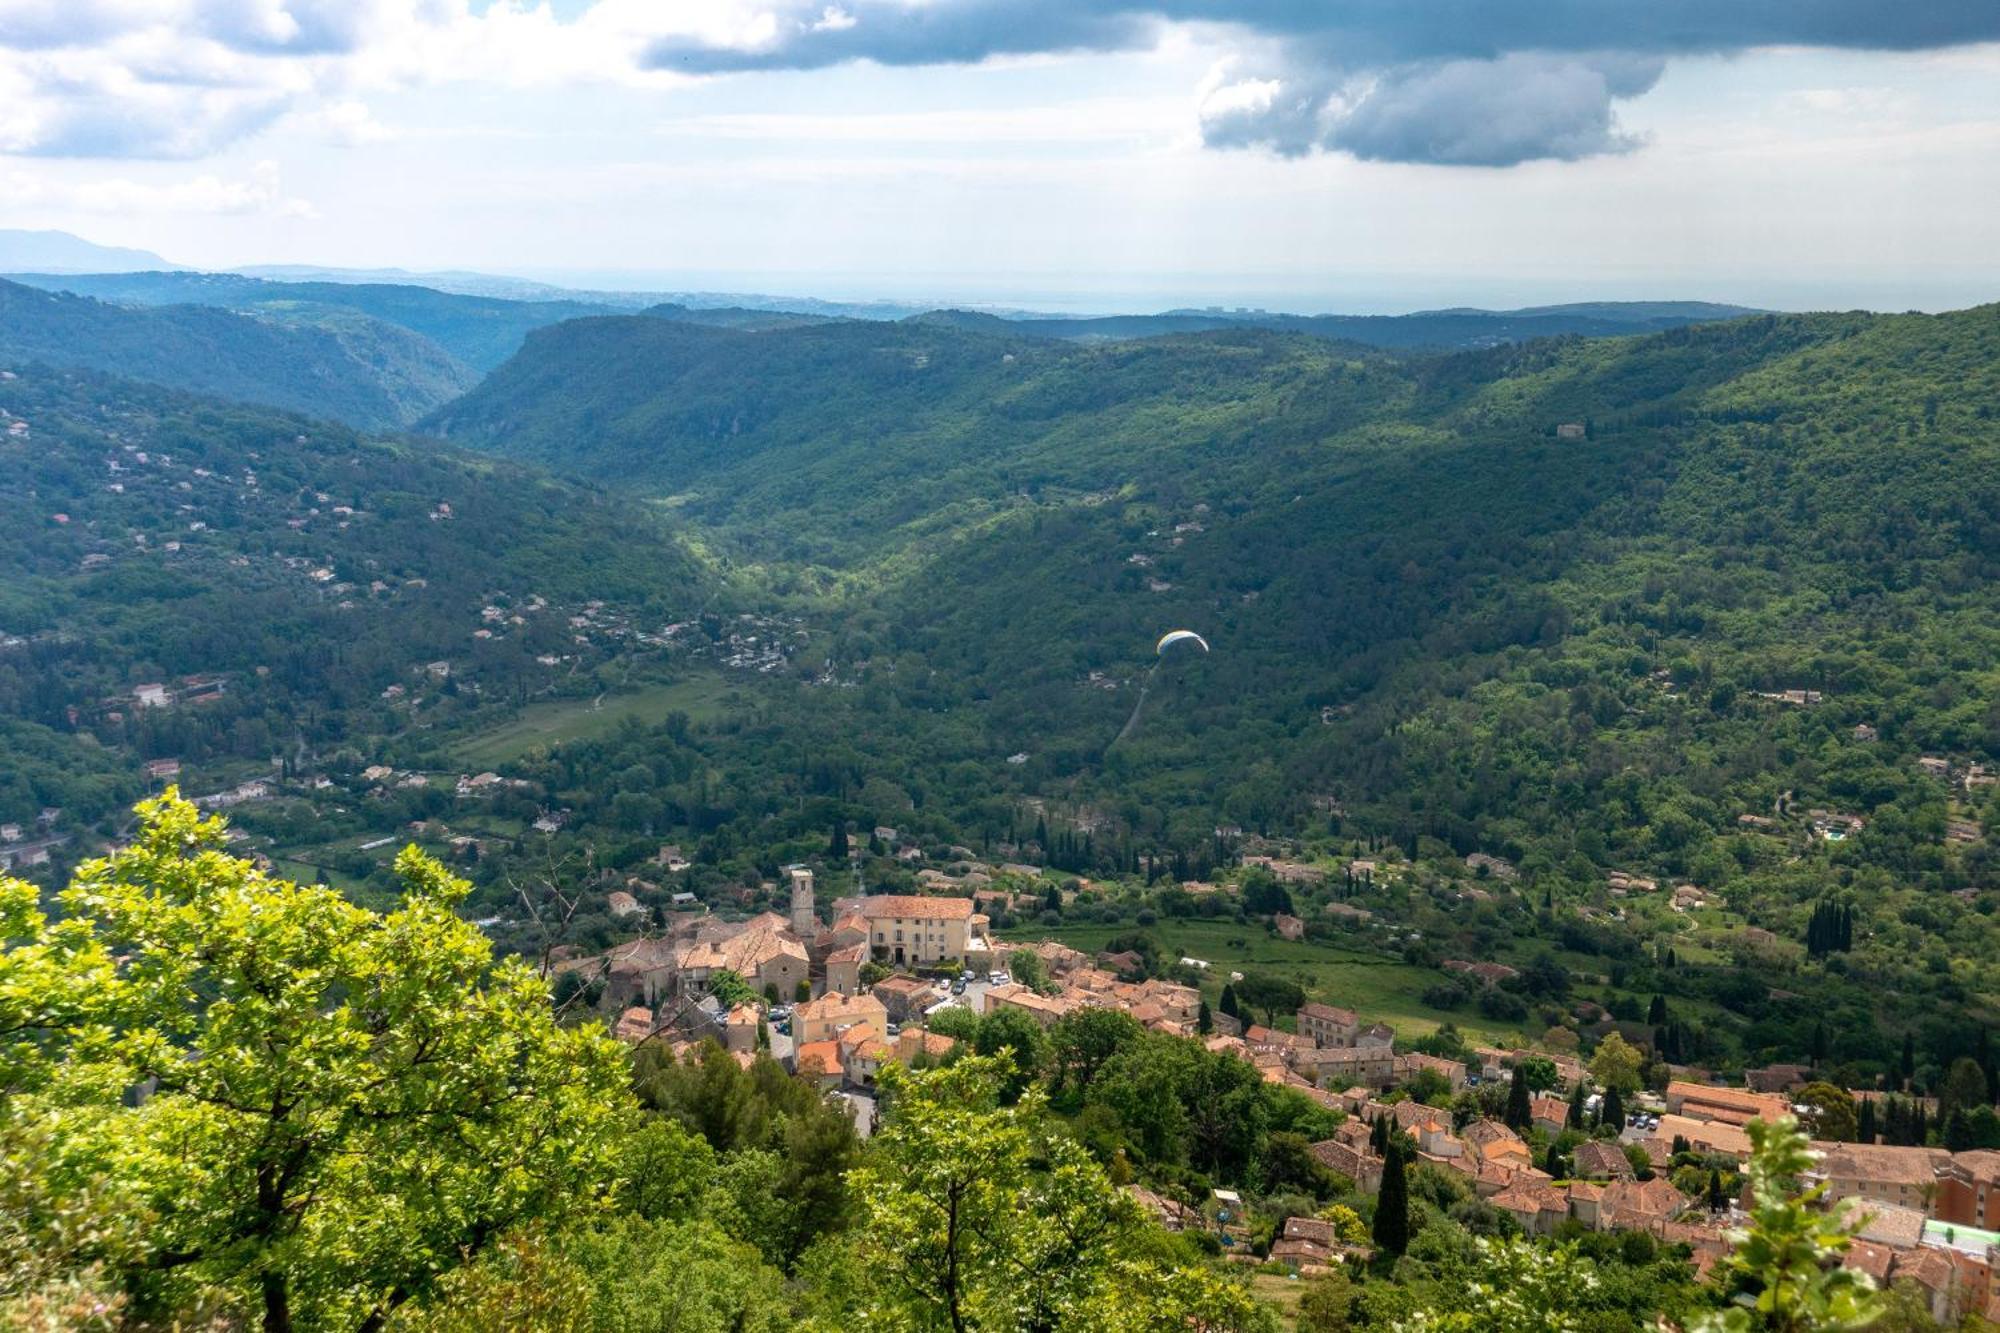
{"points": [[1178, 636], [1174, 643]]}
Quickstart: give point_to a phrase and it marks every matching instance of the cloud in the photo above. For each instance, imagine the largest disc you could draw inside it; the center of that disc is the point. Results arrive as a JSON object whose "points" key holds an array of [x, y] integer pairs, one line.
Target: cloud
{"points": [[1454, 82], [262, 194]]}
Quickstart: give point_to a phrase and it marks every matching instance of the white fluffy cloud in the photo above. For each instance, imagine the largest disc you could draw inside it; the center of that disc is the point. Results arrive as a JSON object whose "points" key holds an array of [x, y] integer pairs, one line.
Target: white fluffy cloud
{"points": [[1452, 82], [261, 194], [185, 78]]}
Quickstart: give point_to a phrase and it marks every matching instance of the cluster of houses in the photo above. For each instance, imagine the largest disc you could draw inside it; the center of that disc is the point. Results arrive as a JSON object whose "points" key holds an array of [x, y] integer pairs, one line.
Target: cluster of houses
{"points": [[1928, 1214]]}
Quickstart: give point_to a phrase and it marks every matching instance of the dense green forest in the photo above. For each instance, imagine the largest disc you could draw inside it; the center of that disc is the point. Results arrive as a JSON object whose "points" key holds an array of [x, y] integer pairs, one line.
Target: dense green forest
{"points": [[325, 361], [278, 574]]}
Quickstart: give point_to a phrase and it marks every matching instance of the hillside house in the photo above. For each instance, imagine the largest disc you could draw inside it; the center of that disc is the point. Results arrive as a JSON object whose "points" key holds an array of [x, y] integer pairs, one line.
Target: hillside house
{"points": [[1328, 1026], [910, 929], [820, 1019]]}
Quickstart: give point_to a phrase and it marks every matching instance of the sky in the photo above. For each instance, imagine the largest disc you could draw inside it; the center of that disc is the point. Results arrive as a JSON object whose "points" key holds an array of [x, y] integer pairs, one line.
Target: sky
{"points": [[1309, 155]]}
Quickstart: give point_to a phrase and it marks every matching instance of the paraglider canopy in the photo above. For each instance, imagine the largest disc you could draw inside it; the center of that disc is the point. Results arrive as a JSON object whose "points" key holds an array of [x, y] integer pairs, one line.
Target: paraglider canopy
{"points": [[1178, 636]]}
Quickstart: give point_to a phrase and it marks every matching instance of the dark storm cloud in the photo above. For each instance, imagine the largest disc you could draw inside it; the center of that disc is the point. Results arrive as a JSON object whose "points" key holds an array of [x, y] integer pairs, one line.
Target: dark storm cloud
{"points": [[1456, 82]]}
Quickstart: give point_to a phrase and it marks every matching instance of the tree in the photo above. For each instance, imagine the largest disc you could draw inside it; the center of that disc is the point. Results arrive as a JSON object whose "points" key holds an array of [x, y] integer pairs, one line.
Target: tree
{"points": [[1577, 1118], [974, 1215], [1539, 1070], [1274, 995], [836, 846], [1656, 1014], [345, 1104], [1015, 1031], [1832, 1115], [1512, 1286], [1718, 1198], [1026, 967], [1081, 1042], [1616, 1065], [1964, 1087], [1785, 1273], [1228, 1002], [1520, 1113], [1204, 1019], [1611, 1111], [1392, 1204], [730, 989]]}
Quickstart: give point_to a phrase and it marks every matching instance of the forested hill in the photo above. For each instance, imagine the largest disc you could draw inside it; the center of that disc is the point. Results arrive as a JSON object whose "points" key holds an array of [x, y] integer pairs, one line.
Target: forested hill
{"points": [[334, 363], [480, 331], [281, 573], [1752, 506], [1431, 330]]}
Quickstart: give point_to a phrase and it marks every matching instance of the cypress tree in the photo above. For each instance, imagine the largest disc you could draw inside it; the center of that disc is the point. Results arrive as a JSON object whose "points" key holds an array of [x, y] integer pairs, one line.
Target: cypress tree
{"points": [[1392, 1206], [1577, 1118], [1204, 1021], [1520, 1112], [1228, 1001], [1657, 1014], [1717, 1200], [1864, 1121], [836, 848], [1612, 1112]]}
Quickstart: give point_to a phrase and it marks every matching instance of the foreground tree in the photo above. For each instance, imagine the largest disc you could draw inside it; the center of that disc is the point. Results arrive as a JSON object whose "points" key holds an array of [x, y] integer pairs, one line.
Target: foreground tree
{"points": [[333, 1106], [975, 1215], [1785, 1271]]}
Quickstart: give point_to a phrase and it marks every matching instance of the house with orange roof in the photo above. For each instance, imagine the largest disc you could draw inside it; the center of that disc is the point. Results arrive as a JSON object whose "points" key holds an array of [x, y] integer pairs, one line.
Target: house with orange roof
{"points": [[904, 997], [1550, 1114], [1730, 1106], [817, 1020], [1357, 1164], [843, 968], [820, 1060], [1704, 1135], [1538, 1207], [634, 1025], [1598, 1160], [918, 929], [863, 1051], [1638, 1205], [1885, 1174]]}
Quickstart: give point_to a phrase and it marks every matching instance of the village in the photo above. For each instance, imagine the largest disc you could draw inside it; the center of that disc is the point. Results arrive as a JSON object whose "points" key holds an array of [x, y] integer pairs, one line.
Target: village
{"points": [[836, 1000]]}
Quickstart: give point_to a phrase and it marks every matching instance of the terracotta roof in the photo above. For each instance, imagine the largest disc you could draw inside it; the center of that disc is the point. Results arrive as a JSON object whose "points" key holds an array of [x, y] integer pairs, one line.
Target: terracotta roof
{"points": [[1483, 1132], [1596, 1158], [823, 1054], [1309, 1228], [1531, 1196], [834, 1007], [1882, 1164], [910, 906], [1655, 1198]]}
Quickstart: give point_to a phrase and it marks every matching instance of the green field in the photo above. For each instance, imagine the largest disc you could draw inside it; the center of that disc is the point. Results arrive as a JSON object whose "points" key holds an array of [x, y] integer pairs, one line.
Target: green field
{"points": [[703, 698], [1379, 988]]}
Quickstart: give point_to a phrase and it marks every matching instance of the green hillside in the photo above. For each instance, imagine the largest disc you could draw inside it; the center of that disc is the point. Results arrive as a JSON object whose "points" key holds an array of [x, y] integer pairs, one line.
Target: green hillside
{"points": [[480, 331], [277, 575], [1753, 580], [328, 363]]}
